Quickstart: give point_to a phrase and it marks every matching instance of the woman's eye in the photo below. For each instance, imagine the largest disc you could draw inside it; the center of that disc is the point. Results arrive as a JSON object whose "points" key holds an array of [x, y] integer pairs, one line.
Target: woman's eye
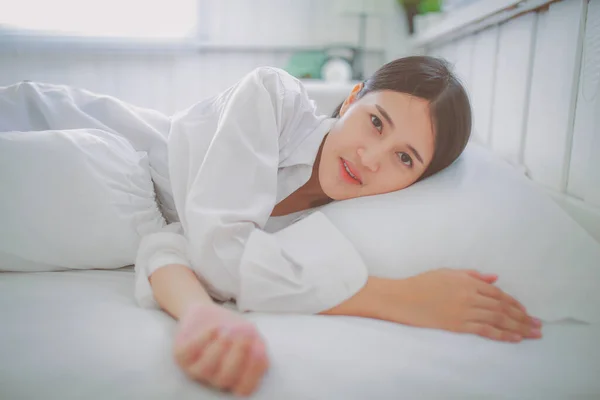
{"points": [[405, 158], [376, 122]]}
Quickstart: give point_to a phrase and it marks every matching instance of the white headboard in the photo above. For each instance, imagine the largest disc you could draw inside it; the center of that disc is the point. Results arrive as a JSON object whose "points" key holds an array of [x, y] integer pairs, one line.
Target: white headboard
{"points": [[532, 69]]}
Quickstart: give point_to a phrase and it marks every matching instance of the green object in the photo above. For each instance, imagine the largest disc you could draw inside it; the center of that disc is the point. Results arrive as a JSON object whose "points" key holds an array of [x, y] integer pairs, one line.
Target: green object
{"points": [[427, 6], [306, 64], [422, 6]]}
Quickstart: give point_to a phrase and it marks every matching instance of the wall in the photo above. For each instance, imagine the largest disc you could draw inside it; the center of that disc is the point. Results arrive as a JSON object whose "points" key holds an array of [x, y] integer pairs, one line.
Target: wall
{"points": [[534, 82], [240, 35]]}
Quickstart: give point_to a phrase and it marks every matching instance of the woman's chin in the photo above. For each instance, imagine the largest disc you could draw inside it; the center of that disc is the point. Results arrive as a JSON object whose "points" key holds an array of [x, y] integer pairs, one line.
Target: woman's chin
{"points": [[338, 193]]}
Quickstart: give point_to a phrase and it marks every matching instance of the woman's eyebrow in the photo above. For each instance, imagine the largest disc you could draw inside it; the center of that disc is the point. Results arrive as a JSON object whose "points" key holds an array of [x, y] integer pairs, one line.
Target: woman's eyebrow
{"points": [[416, 153], [389, 120], [385, 115]]}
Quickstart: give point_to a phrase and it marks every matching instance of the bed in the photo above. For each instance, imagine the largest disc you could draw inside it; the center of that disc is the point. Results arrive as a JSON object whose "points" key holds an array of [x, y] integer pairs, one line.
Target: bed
{"points": [[80, 334], [76, 335]]}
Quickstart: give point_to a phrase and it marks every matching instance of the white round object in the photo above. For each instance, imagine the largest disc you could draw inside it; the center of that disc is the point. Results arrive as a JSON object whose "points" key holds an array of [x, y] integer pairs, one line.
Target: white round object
{"points": [[337, 70]]}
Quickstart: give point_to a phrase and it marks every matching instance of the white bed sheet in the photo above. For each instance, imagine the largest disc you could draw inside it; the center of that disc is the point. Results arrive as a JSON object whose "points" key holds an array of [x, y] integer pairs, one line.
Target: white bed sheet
{"points": [[79, 334]]}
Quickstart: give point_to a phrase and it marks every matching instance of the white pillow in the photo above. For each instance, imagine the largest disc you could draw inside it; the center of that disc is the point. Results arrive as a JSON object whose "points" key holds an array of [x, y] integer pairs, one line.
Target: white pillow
{"points": [[480, 214], [72, 199]]}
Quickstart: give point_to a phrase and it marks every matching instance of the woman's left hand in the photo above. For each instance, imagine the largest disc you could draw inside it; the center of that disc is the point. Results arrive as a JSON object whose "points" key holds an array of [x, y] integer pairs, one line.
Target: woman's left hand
{"points": [[463, 301]]}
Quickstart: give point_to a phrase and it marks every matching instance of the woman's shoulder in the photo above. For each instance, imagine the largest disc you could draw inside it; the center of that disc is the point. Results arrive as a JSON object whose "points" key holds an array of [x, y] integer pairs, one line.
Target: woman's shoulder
{"points": [[290, 98], [278, 80]]}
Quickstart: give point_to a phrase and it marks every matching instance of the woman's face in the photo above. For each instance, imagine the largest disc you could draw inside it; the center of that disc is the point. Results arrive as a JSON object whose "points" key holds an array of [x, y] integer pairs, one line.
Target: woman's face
{"points": [[381, 143]]}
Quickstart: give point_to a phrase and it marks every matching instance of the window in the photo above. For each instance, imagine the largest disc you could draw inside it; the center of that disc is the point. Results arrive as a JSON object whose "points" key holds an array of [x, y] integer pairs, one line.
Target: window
{"points": [[135, 19]]}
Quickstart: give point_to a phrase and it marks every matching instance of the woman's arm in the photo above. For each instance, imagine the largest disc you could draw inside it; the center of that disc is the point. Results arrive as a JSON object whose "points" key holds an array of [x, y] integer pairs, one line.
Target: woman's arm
{"points": [[453, 300], [176, 288], [374, 300]]}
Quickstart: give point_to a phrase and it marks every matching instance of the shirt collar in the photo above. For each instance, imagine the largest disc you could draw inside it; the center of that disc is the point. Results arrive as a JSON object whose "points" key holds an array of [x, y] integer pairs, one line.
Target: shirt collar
{"points": [[306, 152]]}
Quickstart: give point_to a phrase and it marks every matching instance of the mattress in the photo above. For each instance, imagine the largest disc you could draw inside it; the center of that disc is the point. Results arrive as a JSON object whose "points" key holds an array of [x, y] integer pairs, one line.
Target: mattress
{"points": [[80, 335]]}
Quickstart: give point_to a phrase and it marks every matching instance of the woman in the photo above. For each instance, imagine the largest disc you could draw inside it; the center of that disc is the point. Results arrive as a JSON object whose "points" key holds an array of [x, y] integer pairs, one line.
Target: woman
{"points": [[248, 163]]}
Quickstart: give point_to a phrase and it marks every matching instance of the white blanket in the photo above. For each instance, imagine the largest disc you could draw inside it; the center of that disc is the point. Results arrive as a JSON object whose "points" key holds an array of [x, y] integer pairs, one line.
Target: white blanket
{"points": [[80, 335], [38, 106]]}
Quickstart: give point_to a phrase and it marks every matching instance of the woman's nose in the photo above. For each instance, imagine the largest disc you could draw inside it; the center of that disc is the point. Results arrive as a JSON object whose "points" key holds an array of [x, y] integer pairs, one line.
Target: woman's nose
{"points": [[370, 157]]}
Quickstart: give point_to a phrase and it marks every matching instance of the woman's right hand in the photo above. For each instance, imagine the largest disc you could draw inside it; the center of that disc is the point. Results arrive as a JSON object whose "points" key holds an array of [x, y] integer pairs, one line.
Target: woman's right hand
{"points": [[219, 348], [461, 301]]}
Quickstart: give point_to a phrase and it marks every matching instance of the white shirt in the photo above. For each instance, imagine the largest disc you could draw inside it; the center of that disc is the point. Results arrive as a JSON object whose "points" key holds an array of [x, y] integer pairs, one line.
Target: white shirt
{"points": [[232, 158]]}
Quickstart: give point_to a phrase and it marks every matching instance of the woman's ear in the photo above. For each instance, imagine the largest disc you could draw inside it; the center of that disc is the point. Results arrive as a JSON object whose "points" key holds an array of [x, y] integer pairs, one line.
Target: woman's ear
{"points": [[351, 98]]}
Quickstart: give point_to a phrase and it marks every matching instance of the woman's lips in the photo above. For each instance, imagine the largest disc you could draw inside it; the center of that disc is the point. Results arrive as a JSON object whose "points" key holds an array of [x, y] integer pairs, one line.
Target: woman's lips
{"points": [[348, 173]]}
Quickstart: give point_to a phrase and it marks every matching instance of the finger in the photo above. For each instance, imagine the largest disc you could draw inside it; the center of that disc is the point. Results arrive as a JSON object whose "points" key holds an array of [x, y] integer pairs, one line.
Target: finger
{"points": [[254, 370], [513, 309], [489, 278], [207, 365], [233, 363], [509, 309], [187, 353], [501, 321], [530, 326], [511, 300], [489, 290], [491, 332], [496, 293]]}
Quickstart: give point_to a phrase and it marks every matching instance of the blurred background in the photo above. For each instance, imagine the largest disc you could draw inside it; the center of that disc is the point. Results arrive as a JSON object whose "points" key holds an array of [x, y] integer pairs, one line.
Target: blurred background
{"points": [[168, 54], [531, 67]]}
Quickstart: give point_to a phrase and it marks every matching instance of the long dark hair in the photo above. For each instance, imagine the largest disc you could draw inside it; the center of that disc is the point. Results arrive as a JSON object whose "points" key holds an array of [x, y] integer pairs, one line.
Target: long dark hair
{"points": [[431, 79]]}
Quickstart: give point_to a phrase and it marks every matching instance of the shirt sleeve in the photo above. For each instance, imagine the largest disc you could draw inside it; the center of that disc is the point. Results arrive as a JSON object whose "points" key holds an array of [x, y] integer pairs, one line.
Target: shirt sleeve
{"points": [[225, 200], [157, 250]]}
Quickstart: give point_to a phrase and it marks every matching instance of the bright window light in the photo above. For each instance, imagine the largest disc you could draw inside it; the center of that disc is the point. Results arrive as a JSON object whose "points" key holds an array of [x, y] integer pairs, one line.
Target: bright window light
{"points": [[164, 19]]}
